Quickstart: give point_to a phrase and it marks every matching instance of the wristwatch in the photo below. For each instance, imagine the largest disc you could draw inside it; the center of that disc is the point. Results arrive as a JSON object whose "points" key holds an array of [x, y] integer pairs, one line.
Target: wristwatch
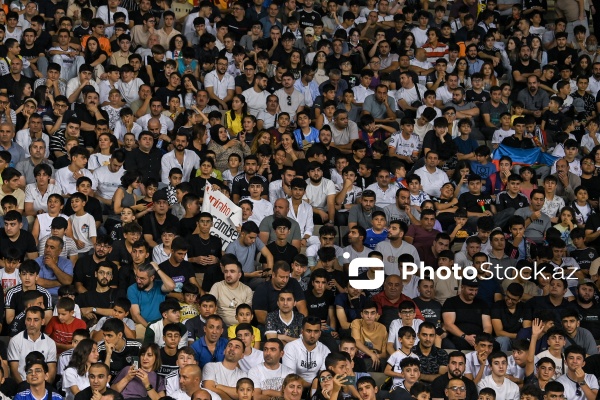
{"points": [[93, 309], [582, 383], [149, 388], [463, 335]]}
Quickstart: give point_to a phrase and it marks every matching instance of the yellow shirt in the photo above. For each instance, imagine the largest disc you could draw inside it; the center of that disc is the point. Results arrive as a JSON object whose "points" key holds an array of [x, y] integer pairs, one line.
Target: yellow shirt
{"points": [[231, 333], [512, 119], [234, 127]]}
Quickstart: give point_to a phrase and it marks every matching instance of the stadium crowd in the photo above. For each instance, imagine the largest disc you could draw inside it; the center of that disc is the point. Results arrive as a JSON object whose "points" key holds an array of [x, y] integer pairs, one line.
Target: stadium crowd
{"points": [[458, 134]]}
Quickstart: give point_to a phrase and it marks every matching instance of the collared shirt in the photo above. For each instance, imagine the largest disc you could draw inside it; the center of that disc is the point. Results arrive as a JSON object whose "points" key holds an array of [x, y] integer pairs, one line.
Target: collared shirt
{"points": [[384, 198], [220, 86], [361, 93], [64, 265], [39, 200], [535, 102], [310, 92], [21, 345], [304, 217], [203, 354], [431, 363], [169, 160], [387, 61]]}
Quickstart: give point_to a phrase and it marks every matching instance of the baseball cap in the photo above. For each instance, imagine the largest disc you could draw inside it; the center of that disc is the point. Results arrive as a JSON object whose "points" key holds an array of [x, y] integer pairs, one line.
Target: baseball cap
{"points": [[470, 282], [59, 223], [309, 31], [160, 195], [314, 165]]}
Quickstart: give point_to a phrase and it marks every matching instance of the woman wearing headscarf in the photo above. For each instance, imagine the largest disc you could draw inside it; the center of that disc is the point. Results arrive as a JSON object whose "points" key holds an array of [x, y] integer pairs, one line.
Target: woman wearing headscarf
{"points": [[223, 146]]}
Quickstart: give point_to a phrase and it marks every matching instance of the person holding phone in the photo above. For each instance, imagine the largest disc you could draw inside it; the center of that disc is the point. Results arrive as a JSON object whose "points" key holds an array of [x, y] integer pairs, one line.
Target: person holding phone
{"points": [[142, 381], [327, 386]]}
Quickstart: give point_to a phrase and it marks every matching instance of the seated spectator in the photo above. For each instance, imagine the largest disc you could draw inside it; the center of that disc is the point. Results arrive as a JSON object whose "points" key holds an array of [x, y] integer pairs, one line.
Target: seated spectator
{"points": [[140, 380], [76, 375], [507, 315], [370, 336]]}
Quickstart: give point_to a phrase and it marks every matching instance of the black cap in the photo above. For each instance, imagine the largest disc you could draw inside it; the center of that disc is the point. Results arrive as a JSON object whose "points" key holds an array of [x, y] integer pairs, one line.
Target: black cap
{"points": [[470, 282], [314, 165], [160, 195], [59, 223]]}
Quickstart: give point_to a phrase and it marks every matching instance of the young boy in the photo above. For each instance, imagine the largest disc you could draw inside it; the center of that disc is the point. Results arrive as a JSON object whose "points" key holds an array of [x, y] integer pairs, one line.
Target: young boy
{"points": [[429, 101], [552, 118], [378, 232], [244, 315], [9, 275], [556, 343], [233, 170], [417, 195], [84, 226], [407, 336], [195, 325], [583, 254], [504, 131], [405, 145], [552, 203], [571, 149], [252, 356], [482, 166], [504, 388], [171, 336], [517, 361], [245, 388], [261, 208], [370, 336], [92, 205], [299, 267], [61, 327], [476, 364], [348, 345], [466, 145], [512, 196], [421, 391], [189, 308], [406, 314], [121, 309], [175, 177], [170, 311], [477, 95], [116, 351], [487, 394], [517, 111]]}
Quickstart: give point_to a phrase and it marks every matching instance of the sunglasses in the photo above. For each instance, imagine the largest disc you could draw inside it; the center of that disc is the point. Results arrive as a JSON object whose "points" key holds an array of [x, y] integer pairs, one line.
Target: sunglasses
{"points": [[289, 100]]}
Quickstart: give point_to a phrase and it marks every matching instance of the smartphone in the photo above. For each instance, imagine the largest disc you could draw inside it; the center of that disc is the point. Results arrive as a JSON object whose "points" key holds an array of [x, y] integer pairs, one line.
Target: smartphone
{"points": [[135, 363], [350, 380], [150, 204]]}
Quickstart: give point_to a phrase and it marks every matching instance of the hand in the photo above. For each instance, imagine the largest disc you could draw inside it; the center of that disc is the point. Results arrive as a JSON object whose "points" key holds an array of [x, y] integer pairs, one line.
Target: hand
{"points": [[482, 357], [96, 395], [109, 348], [338, 382], [375, 360], [132, 373], [38, 74], [143, 375], [537, 327], [470, 339], [79, 244], [50, 261], [580, 374]]}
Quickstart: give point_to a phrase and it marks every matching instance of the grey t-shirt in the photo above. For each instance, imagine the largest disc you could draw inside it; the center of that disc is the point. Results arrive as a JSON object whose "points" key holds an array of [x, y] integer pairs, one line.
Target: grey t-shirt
{"points": [[537, 228], [360, 217], [585, 339], [245, 255], [266, 225]]}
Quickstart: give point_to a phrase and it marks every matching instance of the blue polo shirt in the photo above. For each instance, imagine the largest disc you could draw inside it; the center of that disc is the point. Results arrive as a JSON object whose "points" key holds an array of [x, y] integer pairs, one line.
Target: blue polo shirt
{"points": [[64, 264], [203, 354], [147, 300]]}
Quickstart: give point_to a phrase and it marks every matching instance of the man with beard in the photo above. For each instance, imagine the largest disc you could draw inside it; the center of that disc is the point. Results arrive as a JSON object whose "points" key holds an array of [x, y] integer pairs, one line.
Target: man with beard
{"points": [[401, 209], [281, 209], [394, 246], [562, 51], [553, 301], [443, 94], [466, 316], [290, 99], [222, 377], [410, 91], [86, 267], [331, 152], [588, 308], [590, 181], [89, 113], [266, 295], [281, 188], [320, 194], [98, 302], [434, 361], [156, 109], [430, 308], [180, 157], [268, 376], [145, 159], [443, 386], [535, 100], [239, 188], [231, 291], [306, 355], [474, 62], [381, 106], [523, 69], [256, 96], [361, 214], [463, 108], [146, 296]]}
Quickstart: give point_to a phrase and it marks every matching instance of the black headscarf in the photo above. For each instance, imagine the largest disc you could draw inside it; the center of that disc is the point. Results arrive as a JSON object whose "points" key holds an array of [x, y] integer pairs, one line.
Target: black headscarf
{"points": [[214, 135]]}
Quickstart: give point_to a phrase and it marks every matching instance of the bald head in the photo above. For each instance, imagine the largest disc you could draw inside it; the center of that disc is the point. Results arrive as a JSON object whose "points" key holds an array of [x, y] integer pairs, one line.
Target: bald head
{"points": [[281, 208], [190, 377], [201, 394]]}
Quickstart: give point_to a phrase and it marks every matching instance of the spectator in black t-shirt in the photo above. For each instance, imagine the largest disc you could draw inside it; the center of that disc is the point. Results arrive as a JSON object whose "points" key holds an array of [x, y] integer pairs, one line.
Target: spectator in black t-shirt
{"points": [[13, 236], [454, 377], [320, 303], [507, 316], [86, 267], [466, 316], [518, 140], [281, 249], [171, 90], [180, 270], [156, 222]]}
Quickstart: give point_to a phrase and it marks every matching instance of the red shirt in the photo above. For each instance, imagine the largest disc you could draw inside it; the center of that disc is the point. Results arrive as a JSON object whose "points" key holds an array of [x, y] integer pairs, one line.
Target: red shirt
{"points": [[382, 301], [63, 333]]}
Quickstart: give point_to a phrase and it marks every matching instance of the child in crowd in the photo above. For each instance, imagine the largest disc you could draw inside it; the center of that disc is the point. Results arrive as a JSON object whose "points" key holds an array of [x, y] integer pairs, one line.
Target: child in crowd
{"points": [[417, 195], [504, 131], [517, 109], [120, 310], [9, 275], [244, 315], [406, 314], [299, 267], [406, 336], [233, 162], [189, 307], [378, 232], [83, 224], [195, 325], [61, 327], [370, 337]]}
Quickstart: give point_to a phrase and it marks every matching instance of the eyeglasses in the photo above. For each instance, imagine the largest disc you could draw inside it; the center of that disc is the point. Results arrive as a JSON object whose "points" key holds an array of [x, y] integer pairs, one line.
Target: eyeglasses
{"points": [[458, 388], [289, 100], [407, 312], [325, 378]]}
